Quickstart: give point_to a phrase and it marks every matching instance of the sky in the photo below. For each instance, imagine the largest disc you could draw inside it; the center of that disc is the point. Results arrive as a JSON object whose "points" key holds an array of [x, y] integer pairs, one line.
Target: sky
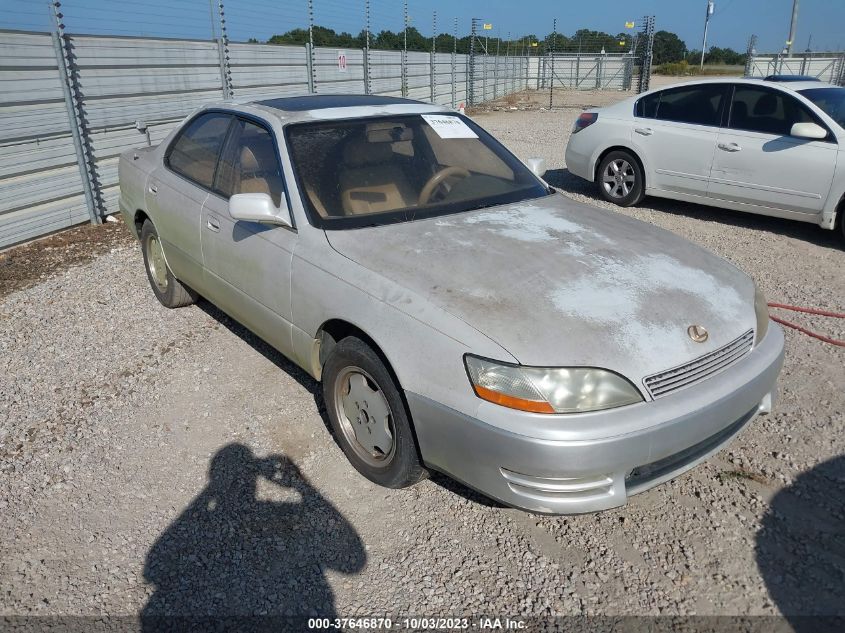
{"points": [[732, 24]]}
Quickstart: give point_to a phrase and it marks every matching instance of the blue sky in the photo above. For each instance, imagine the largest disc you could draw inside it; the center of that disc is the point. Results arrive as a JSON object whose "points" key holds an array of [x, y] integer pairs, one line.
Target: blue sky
{"points": [[732, 24]]}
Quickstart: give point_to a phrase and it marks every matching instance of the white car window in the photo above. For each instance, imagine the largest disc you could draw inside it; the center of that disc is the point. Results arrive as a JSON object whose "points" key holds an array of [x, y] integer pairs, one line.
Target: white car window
{"points": [[698, 105], [758, 109]]}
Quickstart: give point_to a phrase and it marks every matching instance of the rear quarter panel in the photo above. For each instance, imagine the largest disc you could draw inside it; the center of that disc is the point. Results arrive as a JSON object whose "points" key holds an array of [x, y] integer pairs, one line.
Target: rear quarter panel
{"points": [[133, 170]]}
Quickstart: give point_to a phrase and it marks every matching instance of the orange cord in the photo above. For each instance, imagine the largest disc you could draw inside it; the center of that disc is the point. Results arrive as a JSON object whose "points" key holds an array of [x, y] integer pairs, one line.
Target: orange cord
{"points": [[803, 330]]}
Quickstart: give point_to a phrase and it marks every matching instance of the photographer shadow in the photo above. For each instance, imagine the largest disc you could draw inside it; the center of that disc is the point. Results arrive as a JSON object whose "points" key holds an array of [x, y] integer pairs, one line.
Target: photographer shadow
{"points": [[801, 549], [231, 554]]}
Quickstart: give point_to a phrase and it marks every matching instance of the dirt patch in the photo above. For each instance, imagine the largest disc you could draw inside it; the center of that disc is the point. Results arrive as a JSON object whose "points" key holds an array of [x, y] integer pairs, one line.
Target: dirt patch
{"points": [[31, 263]]}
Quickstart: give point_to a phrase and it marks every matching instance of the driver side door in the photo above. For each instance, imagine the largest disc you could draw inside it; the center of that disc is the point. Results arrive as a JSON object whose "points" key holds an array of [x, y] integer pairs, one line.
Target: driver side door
{"points": [[248, 264]]}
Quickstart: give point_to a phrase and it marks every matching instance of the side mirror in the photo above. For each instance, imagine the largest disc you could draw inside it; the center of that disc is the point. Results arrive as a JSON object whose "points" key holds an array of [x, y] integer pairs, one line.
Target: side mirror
{"points": [[256, 207], [537, 166], [812, 131]]}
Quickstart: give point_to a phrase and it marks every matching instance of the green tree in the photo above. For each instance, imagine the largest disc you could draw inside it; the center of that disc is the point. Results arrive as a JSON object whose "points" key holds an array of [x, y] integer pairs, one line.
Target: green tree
{"points": [[668, 47]]}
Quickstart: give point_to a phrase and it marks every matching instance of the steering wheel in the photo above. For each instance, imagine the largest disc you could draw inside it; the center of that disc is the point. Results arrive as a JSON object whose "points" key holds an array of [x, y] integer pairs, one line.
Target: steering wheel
{"points": [[439, 179]]}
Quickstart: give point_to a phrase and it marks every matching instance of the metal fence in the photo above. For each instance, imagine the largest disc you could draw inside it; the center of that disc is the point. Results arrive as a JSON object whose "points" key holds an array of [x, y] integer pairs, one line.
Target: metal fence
{"points": [[69, 104], [828, 67], [587, 72]]}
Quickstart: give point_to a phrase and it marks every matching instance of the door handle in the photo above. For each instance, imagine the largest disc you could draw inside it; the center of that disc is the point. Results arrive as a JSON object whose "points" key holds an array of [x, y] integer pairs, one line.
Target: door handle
{"points": [[153, 189], [213, 224], [645, 131], [729, 147]]}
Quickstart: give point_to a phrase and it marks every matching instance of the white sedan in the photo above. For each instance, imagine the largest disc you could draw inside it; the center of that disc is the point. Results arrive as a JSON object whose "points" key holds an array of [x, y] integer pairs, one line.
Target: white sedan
{"points": [[743, 144]]}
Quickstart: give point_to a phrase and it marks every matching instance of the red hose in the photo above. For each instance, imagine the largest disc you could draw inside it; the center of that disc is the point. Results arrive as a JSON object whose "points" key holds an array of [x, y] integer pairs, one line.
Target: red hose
{"points": [[803, 330]]}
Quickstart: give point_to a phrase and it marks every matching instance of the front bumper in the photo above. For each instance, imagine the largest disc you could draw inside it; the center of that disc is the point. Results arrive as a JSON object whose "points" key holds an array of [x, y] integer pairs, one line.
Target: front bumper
{"points": [[590, 462]]}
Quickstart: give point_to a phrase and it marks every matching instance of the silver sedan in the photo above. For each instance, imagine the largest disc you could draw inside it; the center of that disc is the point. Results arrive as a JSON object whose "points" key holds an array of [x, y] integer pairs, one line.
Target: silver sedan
{"points": [[461, 314]]}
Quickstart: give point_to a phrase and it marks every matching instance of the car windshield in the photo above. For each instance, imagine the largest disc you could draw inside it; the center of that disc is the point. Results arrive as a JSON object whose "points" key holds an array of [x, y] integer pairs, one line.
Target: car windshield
{"points": [[393, 169], [830, 100]]}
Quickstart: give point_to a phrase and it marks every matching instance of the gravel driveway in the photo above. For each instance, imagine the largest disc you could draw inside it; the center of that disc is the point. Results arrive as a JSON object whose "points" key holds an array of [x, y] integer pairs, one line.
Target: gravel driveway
{"points": [[166, 461]]}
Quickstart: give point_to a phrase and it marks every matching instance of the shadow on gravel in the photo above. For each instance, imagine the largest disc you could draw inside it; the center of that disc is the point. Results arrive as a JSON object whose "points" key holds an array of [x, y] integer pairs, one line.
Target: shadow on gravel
{"points": [[568, 182], [801, 549], [231, 553], [274, 356]]}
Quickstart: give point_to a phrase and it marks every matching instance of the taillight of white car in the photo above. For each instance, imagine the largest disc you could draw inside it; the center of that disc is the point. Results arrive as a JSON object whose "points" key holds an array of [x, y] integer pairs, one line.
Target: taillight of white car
{"points": [[585, 120]]}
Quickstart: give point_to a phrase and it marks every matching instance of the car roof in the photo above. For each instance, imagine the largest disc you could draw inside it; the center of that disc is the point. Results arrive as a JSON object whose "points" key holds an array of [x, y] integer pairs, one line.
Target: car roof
{"points": [[794, 86], [788, 78], [317, 107]]}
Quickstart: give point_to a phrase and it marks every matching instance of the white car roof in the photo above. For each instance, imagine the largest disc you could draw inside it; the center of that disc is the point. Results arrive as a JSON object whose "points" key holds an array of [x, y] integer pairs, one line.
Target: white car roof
{"points": [[793, 86]]}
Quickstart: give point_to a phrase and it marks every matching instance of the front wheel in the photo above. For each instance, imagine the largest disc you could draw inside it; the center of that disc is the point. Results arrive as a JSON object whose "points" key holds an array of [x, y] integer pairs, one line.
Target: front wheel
{"points": [[620, 179], [369, 417]]}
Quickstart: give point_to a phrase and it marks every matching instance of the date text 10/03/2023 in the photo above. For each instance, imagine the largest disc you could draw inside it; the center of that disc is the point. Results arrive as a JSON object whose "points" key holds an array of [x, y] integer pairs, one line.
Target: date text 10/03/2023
{"points": [[418, 623]]}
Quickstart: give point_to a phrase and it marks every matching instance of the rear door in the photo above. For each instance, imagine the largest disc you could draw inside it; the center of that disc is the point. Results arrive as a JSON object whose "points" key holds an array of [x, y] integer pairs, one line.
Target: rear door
{"points": [[177, 190], [757, 161], [675, 132], [248, 264]]}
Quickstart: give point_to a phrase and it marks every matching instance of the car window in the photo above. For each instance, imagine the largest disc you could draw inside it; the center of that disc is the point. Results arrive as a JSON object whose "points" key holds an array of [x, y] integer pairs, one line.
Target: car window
{"points": [[647, 106], [195, 151], [397, 168], [829, 100], [250, 163], [699, 105], [768, 111]]}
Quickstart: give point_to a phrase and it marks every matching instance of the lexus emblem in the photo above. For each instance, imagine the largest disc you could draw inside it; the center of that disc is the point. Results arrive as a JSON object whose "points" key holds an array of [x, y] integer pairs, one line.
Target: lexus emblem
{"points": [[697, 333]]}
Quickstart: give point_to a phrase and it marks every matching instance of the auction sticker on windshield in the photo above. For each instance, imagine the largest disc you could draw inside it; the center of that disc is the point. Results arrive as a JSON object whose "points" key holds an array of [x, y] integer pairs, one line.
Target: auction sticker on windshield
{"points": [[449, 126]]}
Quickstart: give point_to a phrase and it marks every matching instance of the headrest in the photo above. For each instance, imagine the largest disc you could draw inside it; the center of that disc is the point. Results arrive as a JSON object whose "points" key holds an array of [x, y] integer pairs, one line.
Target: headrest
{"points": [[388, 132], [249, 162], [359, 152], [766, 105]]}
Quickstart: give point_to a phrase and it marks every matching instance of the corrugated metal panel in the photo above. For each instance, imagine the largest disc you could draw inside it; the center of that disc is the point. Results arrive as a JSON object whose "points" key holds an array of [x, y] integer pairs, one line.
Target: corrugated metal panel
{"points": [[40, 186], [127, 79], [264, 69]]}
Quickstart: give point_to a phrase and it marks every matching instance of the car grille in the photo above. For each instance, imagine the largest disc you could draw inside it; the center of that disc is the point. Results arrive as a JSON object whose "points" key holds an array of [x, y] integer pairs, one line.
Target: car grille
{"points": [[671, 380]]}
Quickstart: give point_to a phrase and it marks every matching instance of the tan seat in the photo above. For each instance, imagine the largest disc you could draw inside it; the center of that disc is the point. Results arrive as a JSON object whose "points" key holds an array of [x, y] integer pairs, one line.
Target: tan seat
{"points": [[371, 182], [258, 172]]}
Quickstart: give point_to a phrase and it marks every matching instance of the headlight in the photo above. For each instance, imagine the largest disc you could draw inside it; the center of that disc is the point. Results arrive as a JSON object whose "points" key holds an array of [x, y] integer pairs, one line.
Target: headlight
{"points": [[761, 308], [549, 390]]}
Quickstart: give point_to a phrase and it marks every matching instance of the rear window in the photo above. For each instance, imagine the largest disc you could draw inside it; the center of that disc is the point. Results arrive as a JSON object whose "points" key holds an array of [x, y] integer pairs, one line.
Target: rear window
{"points": [[194, 153], [698, 105]]}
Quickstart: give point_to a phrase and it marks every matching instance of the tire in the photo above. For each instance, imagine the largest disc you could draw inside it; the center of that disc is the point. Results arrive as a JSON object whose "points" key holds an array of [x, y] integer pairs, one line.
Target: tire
{"points": [[359, 391], [620, 179], [168, 290]]}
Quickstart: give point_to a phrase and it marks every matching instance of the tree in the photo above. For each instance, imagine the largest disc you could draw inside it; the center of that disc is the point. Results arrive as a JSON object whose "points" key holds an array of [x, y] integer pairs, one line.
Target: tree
{"points": [[668, 47]]}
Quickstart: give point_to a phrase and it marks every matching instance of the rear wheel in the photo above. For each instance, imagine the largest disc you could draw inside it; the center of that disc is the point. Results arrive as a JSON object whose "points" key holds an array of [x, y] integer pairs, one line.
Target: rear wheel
{"points": [[369, 417], [168, 290], [620, 179]]}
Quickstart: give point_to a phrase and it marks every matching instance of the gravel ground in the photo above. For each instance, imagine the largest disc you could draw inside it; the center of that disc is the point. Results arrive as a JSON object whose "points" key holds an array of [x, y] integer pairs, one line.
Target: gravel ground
{"points": [[166, 461]]}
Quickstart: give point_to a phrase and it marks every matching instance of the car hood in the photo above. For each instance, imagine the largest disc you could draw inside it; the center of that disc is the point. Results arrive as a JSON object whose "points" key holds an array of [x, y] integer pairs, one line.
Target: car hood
{"points": [[559, 283]]}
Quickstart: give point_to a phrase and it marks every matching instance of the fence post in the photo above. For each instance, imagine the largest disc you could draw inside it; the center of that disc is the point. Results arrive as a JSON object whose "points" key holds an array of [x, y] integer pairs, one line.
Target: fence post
{"points": [[471, 66], [223, 52], [432, 74], [76, 122], [404, 56], [82, 159], [750, 53], [454, 66], [309, 66], [367, 89], [309, 48]]}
